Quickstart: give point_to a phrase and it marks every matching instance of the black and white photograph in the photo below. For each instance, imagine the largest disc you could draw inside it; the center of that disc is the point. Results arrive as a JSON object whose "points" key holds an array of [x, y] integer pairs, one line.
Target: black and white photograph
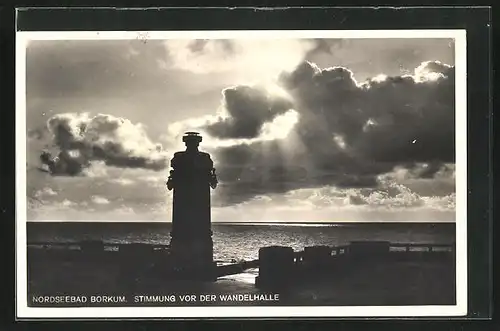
{"points": [[241, 173]]}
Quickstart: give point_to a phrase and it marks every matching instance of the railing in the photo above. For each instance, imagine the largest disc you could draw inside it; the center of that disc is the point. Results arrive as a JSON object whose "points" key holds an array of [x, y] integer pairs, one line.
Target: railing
{"points": [[421, 248], [344, 250]]}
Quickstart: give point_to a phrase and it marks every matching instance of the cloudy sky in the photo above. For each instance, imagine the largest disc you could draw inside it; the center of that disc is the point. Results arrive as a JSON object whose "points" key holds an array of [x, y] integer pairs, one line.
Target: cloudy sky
{"points": [[299, 129]]}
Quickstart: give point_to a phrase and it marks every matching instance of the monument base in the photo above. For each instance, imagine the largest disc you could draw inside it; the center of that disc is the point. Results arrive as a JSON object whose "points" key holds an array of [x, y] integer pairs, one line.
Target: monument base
{"points": [[207, 272]]}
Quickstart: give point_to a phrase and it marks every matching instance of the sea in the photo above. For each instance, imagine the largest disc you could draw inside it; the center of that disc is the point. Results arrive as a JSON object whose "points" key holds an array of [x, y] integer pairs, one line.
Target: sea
{"points": [[241, 241]]}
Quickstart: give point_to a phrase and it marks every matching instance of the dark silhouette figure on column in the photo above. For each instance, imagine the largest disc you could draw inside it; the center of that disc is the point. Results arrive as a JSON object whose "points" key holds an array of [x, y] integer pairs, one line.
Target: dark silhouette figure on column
{"points": [[192, 177]]}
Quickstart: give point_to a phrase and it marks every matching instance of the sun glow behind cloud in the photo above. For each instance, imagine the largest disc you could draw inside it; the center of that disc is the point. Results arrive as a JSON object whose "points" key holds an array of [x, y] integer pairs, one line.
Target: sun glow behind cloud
{"points": [[276, 129]]}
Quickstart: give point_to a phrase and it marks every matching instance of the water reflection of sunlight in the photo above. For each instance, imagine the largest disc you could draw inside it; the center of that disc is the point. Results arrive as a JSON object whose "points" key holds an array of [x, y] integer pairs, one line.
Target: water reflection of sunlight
{"points": [[279, 223]]}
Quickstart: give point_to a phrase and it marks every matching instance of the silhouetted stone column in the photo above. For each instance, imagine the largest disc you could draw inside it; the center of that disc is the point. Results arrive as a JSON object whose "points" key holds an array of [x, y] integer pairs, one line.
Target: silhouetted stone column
{"points": [[192, 177]]}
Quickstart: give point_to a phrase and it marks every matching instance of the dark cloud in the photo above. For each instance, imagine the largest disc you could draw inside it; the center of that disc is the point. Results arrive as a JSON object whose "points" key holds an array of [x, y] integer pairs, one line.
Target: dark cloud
{"points": [[39, 133], [414, 121], [325, 46], [347, 135], [117, 142], [430, 170], [248, 108], [197, 45]]}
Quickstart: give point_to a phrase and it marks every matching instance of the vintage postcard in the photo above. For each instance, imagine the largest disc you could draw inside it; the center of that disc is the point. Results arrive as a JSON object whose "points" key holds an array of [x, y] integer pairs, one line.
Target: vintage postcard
{"points": [[206, 174]]}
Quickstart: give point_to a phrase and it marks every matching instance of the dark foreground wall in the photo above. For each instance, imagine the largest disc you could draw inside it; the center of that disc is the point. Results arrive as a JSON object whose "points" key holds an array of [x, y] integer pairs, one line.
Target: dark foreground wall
{"points": [[417, 280]]}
